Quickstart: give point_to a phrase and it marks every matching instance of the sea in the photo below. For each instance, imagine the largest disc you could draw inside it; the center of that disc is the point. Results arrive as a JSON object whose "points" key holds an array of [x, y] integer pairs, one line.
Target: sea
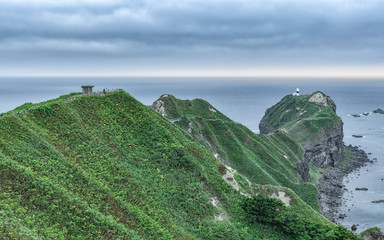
{"points": [[245, 100]]}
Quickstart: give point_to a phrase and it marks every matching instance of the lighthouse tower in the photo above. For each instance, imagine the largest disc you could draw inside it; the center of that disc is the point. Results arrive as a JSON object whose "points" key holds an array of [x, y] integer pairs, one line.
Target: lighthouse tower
{"points": [[297, 93]]}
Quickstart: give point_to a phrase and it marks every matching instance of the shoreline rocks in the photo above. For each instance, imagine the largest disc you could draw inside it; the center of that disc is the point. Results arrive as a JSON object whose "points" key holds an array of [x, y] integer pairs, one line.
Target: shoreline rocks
{"points": [[330, 185]]}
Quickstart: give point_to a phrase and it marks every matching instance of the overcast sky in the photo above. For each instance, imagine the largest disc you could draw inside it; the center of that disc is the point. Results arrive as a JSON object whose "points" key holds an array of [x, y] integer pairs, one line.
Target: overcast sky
{"points": [[192, 38]]}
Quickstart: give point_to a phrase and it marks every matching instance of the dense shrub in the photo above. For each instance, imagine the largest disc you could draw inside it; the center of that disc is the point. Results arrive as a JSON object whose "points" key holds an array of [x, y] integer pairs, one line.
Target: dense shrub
{"points": [[262, 209], [222, 169], [272, 211]]}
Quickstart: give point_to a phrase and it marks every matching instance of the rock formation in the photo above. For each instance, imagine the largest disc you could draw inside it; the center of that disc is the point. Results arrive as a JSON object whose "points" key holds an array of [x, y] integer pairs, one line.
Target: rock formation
{"points": [[379, 110], [372, 234], [312, 120]]}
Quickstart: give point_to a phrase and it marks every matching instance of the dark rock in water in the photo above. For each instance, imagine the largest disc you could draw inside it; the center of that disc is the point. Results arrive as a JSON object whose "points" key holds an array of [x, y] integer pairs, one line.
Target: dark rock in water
{"points": [[378, 201], [342, 216], [357, 136], [361, 189], [379, 110], [355, 115], [366, 113], [354, 228]]}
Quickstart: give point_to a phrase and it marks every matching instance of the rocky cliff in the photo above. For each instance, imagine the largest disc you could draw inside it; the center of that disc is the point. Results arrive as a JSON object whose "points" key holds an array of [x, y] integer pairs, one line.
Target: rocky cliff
{"points": [[312, 120]]}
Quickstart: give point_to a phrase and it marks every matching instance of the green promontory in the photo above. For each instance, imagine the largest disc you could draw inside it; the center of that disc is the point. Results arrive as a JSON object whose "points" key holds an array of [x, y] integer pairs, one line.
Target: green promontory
{"points": [[312, 120], [108, 167]]}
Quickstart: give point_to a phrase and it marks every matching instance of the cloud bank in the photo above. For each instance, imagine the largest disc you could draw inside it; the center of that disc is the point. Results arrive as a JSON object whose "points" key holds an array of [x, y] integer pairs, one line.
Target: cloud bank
{"points": [[139, 36]]}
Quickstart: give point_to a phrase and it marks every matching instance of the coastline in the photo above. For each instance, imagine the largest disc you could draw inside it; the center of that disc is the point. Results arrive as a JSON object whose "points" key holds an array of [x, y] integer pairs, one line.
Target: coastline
{"points": [[331, 186]]}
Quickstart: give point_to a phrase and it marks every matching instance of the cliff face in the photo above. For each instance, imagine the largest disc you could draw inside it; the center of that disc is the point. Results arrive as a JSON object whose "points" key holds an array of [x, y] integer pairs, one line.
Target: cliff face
{"points": [[328, 151], [311, 119]]}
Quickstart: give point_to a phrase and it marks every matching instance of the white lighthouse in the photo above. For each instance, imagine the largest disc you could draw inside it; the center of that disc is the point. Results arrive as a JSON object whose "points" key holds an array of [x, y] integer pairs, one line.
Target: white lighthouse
{"points": [[297, 93]]}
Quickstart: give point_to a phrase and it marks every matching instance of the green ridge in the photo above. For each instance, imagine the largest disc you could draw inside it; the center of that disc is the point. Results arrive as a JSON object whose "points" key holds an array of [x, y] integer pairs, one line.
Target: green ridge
{"points": [[108, 167], [263, 159]]}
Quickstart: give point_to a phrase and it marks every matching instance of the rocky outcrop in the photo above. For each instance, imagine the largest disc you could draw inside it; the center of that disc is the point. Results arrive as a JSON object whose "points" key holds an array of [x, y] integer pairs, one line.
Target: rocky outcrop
{"points": [[321, 98], [158, 106], [303, 169], [374, 233], [379, 111], [330, 185], [265, 128], [328, 151]]}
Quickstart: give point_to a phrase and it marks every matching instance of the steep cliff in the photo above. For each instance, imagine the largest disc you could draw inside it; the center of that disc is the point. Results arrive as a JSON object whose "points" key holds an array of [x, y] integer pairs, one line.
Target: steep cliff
{"points": [[312, 120]]}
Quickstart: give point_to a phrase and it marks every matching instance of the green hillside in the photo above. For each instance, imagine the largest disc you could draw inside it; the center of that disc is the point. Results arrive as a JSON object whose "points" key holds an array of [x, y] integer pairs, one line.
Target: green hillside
{"points": [[108, 167], [263, 159]]}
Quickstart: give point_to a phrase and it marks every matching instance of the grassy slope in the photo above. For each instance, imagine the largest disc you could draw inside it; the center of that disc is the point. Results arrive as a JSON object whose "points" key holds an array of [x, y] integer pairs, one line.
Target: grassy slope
{"points": [[303, 119], [107, 167], [263, 159]]}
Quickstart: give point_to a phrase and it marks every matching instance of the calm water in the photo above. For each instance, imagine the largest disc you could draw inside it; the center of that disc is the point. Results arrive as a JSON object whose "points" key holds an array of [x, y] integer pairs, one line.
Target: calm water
{"points": [[245, 101]]}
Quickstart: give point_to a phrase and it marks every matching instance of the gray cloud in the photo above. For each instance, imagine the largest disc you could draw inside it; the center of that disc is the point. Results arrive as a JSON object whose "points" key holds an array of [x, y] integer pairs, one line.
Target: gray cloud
{"points": [[195, 32]]}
